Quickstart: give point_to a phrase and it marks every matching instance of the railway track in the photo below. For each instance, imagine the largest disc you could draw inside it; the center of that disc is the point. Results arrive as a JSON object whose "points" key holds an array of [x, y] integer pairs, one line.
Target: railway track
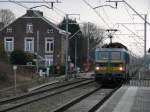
{"points": [[16, 102], [88, 102]]}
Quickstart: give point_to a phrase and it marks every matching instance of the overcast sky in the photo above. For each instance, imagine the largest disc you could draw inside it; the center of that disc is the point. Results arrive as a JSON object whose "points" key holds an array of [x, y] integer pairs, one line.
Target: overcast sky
{"points": [[108, 17]]}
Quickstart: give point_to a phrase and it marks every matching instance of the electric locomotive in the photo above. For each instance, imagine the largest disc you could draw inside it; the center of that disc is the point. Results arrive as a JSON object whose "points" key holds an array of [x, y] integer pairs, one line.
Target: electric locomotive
{"points": [[112, 63]]}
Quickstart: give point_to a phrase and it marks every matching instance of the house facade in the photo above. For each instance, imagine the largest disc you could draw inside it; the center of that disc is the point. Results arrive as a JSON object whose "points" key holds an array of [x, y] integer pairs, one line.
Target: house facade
{"points": [[35, 34]]}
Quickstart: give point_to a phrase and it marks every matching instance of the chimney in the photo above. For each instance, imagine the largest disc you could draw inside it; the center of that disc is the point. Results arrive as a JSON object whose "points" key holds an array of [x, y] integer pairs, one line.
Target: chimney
{"points": [[32, 13]]}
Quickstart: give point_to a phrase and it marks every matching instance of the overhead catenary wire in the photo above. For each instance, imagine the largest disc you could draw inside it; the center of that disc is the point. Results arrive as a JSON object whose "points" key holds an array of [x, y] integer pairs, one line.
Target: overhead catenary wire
{"points": [[60, 10], [18, 3], [148, 8], [55, 8], [47, 3], [105, 13], [126, 43], [131, 46], [97, 13], [130, 17], [131, 31], [133, 39], [50, 5]]}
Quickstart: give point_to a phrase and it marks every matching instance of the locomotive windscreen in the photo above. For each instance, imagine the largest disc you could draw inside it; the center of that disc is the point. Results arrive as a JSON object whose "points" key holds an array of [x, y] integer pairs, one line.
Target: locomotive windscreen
{"points": [[105, 55], [115, 55]]}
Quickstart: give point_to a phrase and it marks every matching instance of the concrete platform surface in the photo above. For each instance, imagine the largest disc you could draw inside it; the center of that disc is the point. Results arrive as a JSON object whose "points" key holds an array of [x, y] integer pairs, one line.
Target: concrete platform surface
{"points": [[128, 99]]}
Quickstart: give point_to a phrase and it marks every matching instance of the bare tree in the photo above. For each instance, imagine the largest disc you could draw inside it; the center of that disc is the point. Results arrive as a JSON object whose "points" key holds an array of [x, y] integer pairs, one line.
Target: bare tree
{"points": [[6, 16], [94, 34], [92, 37]]}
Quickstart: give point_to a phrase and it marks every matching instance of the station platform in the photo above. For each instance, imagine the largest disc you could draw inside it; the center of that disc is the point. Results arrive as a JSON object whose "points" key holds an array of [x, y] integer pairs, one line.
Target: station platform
{"points": [[133, 97]]}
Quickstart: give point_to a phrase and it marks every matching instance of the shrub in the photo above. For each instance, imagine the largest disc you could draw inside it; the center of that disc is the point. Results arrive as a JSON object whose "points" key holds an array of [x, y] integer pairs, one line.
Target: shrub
{"points": [[3, 76], [55, 70], [3, 54], [29, 58], [20, 57], [51, 69]]}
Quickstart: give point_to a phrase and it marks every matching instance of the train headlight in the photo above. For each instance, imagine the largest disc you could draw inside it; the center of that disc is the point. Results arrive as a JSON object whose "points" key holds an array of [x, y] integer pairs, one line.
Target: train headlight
{"points": [[97, 68], [120, 68]]}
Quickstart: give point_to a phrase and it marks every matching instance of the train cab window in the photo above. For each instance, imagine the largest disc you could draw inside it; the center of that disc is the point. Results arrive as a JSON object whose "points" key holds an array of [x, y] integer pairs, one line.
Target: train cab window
{"points": [[104, 55], [115, 55]]}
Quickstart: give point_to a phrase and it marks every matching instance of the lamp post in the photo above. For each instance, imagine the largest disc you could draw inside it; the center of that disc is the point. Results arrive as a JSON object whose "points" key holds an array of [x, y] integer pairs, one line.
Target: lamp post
{"points": [[15, 80]]}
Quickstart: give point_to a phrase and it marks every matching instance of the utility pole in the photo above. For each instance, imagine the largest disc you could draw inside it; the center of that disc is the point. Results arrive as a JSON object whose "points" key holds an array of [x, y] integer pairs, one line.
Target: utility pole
{"points": [[74, 36], [145, 32], [67, 44], [88, 46], [37, 47], [76, 54], [145, 28]]}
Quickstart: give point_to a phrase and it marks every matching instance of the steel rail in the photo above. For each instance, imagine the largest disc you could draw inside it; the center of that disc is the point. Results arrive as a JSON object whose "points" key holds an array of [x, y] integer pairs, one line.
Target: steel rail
{"points": [[36, 92], [43, 97], [100, 103], [77, 100], [74, 101]]}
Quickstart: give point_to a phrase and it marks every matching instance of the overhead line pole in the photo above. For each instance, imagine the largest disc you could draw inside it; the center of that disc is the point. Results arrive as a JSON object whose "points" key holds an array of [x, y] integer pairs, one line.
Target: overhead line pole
{"points": [[67, 44], [145, 40], [145, 28], [88, 45], [131, 8]]}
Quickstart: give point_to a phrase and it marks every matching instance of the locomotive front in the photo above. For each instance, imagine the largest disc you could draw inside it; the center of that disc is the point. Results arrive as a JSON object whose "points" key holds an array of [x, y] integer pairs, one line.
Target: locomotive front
{"points": [[111, 64]]}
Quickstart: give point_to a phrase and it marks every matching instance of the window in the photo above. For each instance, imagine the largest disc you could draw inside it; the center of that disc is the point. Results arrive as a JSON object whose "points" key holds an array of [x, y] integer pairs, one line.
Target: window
{"points": [[104, 55], [29, 44], [115, 55], [9, 30], [50, 31], [29, 28], [49, 45], [48, 60], [9, 44]]}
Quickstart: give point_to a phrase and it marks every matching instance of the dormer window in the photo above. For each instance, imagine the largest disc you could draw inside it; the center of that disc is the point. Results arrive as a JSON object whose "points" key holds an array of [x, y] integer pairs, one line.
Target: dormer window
{"points": [[50, 30], [29, 28], [9, 30]]}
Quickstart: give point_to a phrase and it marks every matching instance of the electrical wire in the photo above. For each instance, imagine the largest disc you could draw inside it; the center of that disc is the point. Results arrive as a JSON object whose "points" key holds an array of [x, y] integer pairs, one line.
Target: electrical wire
{"points": [[19, 3], [148, 8], [126, 42], [139, 47], [131, 31], [97, 13], [125, 7], [60, 10], [105, 13]]}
